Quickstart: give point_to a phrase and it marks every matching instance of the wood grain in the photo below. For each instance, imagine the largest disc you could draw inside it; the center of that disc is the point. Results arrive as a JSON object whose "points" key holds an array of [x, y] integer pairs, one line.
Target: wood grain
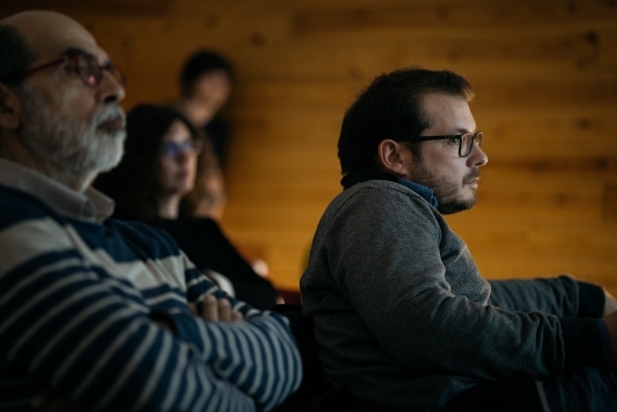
{"points": [[545, 75]]}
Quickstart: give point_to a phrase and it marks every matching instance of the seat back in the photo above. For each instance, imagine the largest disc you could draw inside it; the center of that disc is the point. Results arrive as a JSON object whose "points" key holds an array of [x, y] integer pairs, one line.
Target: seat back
{"points": [[315, 394]]}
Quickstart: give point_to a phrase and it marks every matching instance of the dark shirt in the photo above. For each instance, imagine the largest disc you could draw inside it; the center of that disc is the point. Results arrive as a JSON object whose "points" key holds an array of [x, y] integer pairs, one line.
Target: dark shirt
{"points": [[218, 132], [207, 247]]}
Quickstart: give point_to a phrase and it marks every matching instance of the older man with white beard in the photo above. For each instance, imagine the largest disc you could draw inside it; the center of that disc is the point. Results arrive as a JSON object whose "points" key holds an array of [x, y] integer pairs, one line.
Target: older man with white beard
{"points": [[94, 313]]}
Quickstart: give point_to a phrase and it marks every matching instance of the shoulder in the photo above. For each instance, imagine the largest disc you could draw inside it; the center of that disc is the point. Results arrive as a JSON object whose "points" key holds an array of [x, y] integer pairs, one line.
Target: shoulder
{"points": [[29, 229], [378, 210], [17, 206], [156, 241], [379, 198]]}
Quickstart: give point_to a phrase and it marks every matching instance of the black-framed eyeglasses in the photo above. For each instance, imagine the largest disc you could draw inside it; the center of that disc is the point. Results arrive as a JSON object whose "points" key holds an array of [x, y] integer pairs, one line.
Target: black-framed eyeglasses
{"points": [[83, 64], [465, 141], [173, 150]]}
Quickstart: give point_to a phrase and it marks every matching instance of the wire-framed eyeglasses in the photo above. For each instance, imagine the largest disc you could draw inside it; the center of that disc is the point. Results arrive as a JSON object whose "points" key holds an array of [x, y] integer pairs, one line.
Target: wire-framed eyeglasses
{"points": [[173, 150], [465, 141], [83, 64]]}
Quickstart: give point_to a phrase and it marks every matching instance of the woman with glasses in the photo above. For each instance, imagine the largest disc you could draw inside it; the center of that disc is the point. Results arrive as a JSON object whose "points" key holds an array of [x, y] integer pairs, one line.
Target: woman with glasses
{"points": [[163, 154]]}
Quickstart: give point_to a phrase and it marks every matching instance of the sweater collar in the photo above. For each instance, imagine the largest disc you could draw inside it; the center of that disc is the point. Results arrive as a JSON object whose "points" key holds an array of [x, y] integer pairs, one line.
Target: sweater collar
{"points": [[367, 174], [89, 206]]}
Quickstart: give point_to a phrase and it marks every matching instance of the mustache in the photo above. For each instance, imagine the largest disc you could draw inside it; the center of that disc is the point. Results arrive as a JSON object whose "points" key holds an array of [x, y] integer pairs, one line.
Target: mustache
{"points": [[109, 113], [474, 174]]}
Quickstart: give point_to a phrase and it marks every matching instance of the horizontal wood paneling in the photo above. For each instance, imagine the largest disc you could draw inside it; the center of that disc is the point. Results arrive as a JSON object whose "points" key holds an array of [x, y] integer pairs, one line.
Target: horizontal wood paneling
{"points": [[517, 14], [545, 75]]}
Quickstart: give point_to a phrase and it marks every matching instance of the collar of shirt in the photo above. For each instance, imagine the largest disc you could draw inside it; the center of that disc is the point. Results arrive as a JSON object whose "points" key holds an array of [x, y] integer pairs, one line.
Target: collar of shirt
{"points": [[364, 175], [89, 206], [423, 191]]}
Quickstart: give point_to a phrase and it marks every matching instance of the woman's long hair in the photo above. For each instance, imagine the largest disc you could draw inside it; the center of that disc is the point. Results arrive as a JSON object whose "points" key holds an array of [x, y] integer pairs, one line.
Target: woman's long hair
{"points": [[134, 184]]}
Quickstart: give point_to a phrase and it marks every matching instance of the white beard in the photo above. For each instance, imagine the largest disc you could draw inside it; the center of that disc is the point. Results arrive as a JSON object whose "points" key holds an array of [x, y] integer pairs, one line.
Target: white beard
{"points": [[70, 152]]}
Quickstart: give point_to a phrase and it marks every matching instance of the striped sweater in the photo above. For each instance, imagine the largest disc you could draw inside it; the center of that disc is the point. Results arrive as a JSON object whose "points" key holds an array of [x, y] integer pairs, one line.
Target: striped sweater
{"points": [[77, 295]]}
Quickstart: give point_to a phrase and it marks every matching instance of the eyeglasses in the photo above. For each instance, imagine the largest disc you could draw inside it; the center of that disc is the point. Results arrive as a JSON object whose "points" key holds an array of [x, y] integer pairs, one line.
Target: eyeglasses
{"points": [[80, 63], [465, 141], [173, 150]]}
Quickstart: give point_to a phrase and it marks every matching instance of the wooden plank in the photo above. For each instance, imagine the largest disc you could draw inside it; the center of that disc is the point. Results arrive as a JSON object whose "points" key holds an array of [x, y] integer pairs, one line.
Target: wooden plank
{"points": [[496, 16], [283, 160], [278, 215], [609, 204], [534, 92], [506, 136], [538, 198], [542, 239], [529, 93], [334, 95], [73, 7], [589, 165], [238, 173], [582, 134], [556, 54], [274, 131], [283, 189]]}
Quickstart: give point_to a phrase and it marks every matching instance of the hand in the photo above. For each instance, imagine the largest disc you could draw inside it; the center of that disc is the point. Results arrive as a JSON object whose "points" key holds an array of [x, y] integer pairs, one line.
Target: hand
{"points": [[217, 310], [48, 400], [610, 304]]}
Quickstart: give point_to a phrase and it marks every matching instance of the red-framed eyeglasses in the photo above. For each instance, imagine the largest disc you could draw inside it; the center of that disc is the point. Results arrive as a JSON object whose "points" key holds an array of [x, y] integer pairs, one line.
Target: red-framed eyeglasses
{"points": [[82, 64]]}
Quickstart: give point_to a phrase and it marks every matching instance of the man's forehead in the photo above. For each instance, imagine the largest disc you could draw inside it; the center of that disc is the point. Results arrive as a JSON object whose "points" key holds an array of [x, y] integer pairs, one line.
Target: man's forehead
{"points": [[51, 34], [447, 111]]}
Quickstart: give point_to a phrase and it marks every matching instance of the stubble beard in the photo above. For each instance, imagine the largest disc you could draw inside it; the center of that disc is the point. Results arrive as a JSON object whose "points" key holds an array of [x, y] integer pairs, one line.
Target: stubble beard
{"points": [[70, 152], [448, 194]]}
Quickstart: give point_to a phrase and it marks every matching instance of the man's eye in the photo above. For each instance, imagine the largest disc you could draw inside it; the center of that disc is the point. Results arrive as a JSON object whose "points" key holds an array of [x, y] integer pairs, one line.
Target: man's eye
{"points": [[454, 141], [70, 68]]}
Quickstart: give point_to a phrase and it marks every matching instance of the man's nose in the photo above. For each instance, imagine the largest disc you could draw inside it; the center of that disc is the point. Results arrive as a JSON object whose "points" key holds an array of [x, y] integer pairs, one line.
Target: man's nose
{"points": [[110, 89], [477, 157]]}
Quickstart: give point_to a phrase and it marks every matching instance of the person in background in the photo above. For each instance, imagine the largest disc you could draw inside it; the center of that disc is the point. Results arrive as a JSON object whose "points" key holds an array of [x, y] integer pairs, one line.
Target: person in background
{"points": [[205, 85], [158, 169]]}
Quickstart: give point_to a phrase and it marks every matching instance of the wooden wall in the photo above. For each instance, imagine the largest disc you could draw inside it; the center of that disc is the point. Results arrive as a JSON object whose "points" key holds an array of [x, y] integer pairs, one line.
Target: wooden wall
{"points": [[545, 73]]}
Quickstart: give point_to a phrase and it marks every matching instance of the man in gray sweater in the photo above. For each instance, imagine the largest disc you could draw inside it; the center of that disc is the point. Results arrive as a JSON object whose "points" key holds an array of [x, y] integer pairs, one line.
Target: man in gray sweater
{"points": [[402, 315]]}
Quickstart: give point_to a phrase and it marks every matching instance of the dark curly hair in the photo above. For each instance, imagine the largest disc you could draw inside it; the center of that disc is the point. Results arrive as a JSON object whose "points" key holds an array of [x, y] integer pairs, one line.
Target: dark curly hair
{"points": [[133, 184], [390, 108]]}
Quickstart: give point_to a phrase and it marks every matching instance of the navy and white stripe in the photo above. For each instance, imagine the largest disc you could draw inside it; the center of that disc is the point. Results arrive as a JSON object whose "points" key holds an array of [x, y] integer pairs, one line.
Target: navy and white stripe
{"points": [[75, 305]]}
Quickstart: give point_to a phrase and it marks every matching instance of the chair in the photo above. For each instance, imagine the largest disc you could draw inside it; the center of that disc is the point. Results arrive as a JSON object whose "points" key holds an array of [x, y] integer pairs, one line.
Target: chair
{"points": [[315, 394]]}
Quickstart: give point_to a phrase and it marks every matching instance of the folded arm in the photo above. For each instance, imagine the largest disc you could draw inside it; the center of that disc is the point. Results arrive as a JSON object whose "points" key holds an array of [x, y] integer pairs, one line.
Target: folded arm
{"points": [[71, 325]]}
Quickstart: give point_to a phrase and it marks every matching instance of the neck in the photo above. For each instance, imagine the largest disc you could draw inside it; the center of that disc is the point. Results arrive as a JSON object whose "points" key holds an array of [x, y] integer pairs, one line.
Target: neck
{"points": [[186, 108], [11, 148], [169, 206]]}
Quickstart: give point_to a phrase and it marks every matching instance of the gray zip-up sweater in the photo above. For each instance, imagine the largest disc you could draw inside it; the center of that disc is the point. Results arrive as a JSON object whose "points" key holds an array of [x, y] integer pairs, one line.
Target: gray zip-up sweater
{"points": [[404, 318]]}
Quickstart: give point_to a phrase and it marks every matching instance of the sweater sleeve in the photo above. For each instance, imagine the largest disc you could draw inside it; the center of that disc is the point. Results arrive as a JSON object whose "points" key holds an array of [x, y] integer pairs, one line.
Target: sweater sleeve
{"points": [[562, 296], [585, 341], [269, 368], [385, 257], [257, 355], [89, 336]]}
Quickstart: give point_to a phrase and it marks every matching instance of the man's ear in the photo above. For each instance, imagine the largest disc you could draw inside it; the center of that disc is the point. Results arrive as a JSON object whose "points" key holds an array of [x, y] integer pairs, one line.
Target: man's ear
{"points": [[395, 157], [10, 109]]}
